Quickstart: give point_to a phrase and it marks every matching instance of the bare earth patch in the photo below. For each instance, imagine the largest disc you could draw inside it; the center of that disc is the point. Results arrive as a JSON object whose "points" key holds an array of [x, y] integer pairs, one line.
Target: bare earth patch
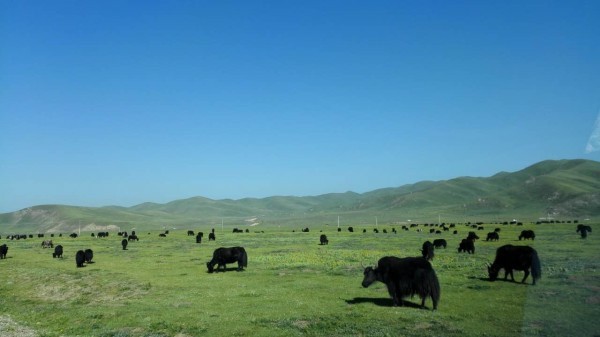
{"points": [[62, 288], [10, 328]]}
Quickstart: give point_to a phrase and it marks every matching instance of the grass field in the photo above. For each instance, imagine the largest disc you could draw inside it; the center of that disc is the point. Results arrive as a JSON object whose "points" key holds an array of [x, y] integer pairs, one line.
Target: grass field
{"points": [[293, 286]]}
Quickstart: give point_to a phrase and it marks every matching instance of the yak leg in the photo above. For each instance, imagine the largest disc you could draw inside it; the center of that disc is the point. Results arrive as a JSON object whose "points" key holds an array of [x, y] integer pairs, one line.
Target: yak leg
{"points": [[393, 293], [525, 277], [508, 271]]}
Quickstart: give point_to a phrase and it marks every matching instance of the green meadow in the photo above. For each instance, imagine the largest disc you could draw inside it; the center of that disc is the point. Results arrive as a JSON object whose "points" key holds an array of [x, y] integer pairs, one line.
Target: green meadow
{"points": [[293, 286]]}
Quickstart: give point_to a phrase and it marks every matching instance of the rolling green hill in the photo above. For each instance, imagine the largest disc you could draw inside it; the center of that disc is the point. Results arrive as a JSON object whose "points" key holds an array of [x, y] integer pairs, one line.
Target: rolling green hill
{"points": [[561, 189]]}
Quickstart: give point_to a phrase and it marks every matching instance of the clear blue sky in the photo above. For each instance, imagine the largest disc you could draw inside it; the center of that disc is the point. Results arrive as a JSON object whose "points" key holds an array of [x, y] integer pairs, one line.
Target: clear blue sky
{"points": [[123, 102]]}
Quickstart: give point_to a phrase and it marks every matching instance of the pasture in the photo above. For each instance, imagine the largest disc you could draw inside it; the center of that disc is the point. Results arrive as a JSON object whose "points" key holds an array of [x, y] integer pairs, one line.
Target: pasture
{"points": [[293, 286]]}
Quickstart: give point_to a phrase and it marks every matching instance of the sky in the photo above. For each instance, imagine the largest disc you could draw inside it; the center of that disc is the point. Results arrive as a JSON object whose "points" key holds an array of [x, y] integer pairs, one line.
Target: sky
{"points": [[124, 102]]}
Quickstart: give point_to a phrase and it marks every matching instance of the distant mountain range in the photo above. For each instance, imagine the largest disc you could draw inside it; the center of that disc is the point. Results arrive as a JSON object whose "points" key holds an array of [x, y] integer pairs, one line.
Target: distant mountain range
{"points": [[559, 189]]}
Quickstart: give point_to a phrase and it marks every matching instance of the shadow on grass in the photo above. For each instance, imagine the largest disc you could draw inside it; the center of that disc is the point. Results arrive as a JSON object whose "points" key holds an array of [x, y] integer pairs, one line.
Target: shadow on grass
{"points": [[226, 269], [487, 279], [382, 302]]}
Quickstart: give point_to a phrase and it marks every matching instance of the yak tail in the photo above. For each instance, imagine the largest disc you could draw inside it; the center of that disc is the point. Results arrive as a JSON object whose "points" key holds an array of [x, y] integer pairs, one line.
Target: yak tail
{"points": [[536, 267], [428, 285], [434, 288], [244, 259]]}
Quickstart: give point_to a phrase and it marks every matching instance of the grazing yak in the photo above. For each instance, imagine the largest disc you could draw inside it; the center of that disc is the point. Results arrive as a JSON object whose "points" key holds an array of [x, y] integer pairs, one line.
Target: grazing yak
{"points": [[466, 245], [427, 251], [323, 239], [527, 234], [472, 236], [199, 237], [124, 243], [47, 244], [403, 277], [58, 251], [222, 256], [492, 236], [438, 243], [583, 230], [509, 258], [3, 251], [80, 258], [587, 228], [211, 236], [89, 255]]}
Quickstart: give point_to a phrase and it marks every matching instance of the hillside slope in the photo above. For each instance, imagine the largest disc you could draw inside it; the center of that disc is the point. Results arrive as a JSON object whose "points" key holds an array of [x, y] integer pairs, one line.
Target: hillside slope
{"points": [[558, 188]]}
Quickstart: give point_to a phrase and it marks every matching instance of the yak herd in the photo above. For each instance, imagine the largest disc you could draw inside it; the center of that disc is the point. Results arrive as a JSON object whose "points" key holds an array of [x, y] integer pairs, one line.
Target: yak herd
{"points": [[403, 277]]}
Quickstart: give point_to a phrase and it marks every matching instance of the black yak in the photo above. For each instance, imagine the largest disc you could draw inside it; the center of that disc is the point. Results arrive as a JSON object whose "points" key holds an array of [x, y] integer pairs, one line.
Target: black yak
{"points": [[124, 243], [587, 228], [509, 257], [403, 277], [583, 230], [80, 258], [222, 256], [3, 251], [190, 233], [527, 234], [58, 251], [323, 239], [211, 236], [492, 236], [438, 243], [199, 237], [89, 255], [466, 245], [472, 236], [427, 251]]}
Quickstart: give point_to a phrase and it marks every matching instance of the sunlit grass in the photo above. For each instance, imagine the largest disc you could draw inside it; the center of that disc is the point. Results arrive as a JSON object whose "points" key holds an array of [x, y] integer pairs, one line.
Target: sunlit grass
{"points": [[293, 286]]}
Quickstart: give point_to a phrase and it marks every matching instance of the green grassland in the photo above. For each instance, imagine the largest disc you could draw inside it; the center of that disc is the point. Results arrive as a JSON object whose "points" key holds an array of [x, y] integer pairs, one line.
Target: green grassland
{"points": [[293, 286]]}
